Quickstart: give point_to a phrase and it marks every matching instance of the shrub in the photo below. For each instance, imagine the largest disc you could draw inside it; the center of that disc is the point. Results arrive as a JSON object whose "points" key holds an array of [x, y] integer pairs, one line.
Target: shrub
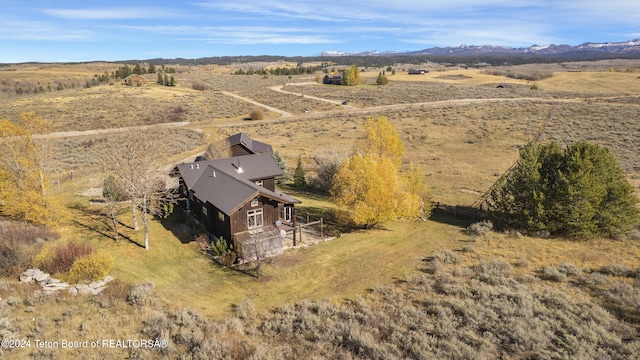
{"points": [[203, 242], [19, 244], [553, 274], [614, 270], [116, 292], [256, 114], [140, 294], [58, 258], [446, 257], [94, 266], [200, 86], [480, 228], [225, 256]]}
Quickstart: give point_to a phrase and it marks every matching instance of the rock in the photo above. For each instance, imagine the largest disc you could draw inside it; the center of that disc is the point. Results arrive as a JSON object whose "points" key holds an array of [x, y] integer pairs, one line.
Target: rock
{"points": [[41, 276], [73, 291], [53, 281], [84, 289], [26, 279], [108, 279], [57, 286], [98, 290], [30, 272]]}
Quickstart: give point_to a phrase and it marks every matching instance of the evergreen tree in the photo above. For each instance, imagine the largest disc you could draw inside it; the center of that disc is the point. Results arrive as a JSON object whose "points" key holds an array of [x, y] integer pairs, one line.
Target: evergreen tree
{"points": [[152, 69], [581, 192], [160, 81], [282, 163], [299, 179]]}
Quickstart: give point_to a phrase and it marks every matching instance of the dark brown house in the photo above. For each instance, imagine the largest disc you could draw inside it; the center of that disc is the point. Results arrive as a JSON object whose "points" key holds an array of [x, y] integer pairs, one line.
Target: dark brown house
{"points": [[134, 80], [235, 198], [335, 79]]}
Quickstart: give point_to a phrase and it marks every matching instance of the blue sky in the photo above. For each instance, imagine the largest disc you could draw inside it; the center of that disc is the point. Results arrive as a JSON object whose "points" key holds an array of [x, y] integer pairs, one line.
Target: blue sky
{"points": [[55, 31]]}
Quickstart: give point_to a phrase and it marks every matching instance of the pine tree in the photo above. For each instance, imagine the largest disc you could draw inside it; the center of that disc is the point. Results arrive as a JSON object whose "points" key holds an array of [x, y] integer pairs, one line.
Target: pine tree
{"points": [[580, 192], [282, 163], [299, 179]]}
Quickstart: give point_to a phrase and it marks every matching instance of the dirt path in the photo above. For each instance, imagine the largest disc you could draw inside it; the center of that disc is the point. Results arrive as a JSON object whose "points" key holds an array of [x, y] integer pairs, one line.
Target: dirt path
{"points": [[270, 108], [278, 88]]}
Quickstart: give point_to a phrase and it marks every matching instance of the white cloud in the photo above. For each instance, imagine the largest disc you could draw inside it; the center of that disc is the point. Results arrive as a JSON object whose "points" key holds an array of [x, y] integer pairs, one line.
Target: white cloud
{"points": [[38, 31], [116, 13]]}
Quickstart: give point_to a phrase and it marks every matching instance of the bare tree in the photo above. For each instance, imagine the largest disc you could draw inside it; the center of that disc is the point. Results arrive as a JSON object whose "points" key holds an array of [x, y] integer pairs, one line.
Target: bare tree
{"points": [[138, 163]]}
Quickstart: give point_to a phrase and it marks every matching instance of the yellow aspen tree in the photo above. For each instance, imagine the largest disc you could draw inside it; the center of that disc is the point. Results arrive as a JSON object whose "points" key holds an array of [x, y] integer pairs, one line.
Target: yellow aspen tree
{"points": [[382, 140], [25, 172]]}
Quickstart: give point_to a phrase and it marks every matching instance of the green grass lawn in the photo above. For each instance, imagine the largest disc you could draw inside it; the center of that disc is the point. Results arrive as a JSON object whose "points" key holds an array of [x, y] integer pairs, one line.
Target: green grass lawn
{"points": [[338, 269]]}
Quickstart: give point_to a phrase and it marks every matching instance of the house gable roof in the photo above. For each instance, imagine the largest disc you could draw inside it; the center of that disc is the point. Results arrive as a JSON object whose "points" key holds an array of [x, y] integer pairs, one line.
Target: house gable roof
{"points": [[229, 193], [220, 183], [254, 167], [252, 146]]}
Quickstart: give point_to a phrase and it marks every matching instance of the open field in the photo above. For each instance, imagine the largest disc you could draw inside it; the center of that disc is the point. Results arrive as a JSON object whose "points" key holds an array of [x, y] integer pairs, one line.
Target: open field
{"points": [[461, 129]]}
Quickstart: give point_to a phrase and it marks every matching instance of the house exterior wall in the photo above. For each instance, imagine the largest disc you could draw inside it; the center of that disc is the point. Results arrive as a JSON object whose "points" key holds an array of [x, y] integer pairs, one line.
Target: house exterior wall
{"points": [[239, 150], [270, 214], [135, 80]]}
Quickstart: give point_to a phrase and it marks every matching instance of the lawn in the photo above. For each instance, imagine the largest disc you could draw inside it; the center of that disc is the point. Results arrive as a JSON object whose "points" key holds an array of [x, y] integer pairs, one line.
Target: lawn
{"points": [[338, 269]]}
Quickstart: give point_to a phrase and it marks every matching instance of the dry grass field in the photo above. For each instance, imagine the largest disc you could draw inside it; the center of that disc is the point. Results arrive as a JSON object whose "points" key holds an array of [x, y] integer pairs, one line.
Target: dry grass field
{"points": [[462, 130]]}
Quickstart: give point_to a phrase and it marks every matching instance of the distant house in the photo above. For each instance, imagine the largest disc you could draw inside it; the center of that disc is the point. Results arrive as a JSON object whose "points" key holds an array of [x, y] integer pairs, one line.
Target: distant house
{"points": [[134, 80], [418, 71], [235, 198], [334, 79]]}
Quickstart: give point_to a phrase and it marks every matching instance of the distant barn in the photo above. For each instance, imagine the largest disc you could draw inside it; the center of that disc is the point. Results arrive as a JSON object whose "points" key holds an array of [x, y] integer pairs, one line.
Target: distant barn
{"points": [[337, 79], [134, 80], [418, 71]]}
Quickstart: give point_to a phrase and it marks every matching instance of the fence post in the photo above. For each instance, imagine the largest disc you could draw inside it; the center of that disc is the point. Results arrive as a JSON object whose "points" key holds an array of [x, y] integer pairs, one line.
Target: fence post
{"points": [[294, 230], [321, 229], [300, 228]]}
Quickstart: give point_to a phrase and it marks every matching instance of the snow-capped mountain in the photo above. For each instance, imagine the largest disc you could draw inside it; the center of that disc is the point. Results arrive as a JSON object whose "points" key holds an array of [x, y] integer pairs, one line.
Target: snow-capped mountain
{"points": [[627, 47]]}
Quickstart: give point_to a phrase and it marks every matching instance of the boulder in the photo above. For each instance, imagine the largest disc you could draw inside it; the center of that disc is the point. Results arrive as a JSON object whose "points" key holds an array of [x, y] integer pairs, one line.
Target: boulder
{"points": [[40, 276], [73, 291], [52, 281]]}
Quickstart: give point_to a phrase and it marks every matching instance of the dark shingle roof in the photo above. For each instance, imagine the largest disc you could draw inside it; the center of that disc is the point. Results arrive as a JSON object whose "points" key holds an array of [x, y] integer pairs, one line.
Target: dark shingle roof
{"points": [[221, 184], [254, 167], [248, 143]]}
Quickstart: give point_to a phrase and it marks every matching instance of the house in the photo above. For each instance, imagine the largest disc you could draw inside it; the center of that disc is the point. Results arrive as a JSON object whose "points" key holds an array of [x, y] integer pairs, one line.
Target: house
{"points": [[335, 79], [235, 198], [242, 144], [134, 80], [418, 71]]}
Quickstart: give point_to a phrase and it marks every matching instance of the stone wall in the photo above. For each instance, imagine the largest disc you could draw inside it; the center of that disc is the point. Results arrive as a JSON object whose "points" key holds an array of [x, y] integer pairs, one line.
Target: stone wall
{"points": [[50, 285]]}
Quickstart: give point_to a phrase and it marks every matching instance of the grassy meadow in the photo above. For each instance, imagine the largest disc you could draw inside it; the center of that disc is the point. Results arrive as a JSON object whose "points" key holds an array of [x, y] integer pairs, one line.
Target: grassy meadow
{"points": [[462, 130]]}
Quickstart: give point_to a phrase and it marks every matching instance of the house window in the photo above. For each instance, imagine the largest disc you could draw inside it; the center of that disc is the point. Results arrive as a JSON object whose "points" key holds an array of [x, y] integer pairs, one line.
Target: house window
{"points": [[221, 215], [254, 219], [204, 210], [288, 213], [260, 183], [254, 202]]}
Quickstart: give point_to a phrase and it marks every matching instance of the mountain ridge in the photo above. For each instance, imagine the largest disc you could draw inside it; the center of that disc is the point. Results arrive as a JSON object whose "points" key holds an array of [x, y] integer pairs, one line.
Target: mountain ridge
{"points": [[624, 47]]}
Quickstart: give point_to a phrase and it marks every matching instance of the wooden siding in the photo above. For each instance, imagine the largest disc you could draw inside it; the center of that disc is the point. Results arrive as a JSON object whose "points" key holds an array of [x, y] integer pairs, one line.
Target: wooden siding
{"points": [[270, 214], [239, 150]]}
